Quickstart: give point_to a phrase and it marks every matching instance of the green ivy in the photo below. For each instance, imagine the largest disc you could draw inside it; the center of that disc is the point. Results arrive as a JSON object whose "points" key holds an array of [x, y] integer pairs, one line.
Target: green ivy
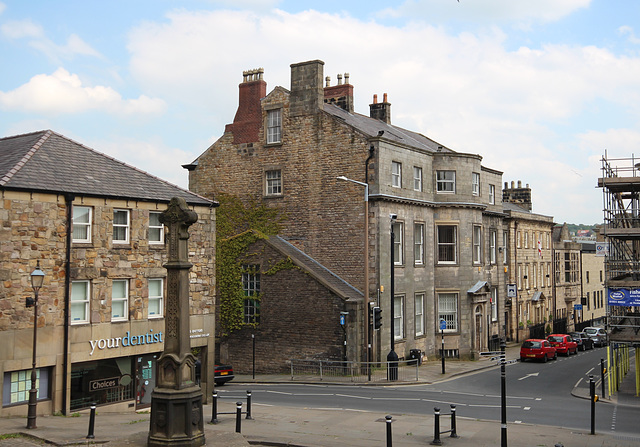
{"points": [[237, 227]]}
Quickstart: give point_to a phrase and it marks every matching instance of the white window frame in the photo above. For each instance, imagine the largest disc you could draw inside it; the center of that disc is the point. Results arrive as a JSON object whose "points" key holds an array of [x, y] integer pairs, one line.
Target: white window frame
{"points": [[419, 314], [505, 247], [448, 310], [417, 178], [121, 300], [475, 183], [519, 240], [418, 243], [273, 182], [398, 236], [520, 280], [274, 126], [526, 274], [446, 182], [80, 301], [156, 227], [80, 224], [494, 304], [156, 298], [121, 225], [477, 244], [535, 275], [396, 174], [251, 280], [492, 194], [493, 246], [526, 239], [447, 245], [398, 317]]}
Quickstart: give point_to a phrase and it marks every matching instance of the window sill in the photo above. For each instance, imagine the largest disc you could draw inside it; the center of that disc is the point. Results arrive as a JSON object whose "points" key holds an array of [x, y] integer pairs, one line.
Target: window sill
{"points": [[270, 145]]}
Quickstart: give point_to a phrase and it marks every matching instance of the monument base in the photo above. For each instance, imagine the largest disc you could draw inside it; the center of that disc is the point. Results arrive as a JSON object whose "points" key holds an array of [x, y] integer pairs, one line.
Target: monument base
{"points": [[176, 418]]}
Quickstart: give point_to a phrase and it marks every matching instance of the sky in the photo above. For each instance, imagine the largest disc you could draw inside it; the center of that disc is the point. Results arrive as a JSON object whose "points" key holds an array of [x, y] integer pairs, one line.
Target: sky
{"points": [[540, 89]]}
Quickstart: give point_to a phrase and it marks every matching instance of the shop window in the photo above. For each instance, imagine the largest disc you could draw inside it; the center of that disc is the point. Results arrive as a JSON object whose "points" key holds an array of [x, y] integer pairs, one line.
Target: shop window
{"points": [[16, 386], [102, 382]]}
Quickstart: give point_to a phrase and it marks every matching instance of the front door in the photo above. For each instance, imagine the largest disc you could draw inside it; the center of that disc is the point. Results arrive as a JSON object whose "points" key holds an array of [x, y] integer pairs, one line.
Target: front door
{"points": [[479, 327]]}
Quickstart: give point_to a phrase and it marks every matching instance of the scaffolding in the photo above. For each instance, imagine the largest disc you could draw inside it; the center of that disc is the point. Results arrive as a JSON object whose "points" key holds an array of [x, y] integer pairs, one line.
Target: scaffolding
{"points": [[620, 182]]}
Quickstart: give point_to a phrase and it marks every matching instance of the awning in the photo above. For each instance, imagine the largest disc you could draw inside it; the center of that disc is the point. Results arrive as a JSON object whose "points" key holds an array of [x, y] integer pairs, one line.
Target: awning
{"points": [[477, 287], [537, 296]]}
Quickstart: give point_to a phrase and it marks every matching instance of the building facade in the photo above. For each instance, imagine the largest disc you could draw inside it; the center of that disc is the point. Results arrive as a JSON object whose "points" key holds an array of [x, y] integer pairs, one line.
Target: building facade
{"points": [[594, 298], [287, 148], [91, 224], [568, 280]]}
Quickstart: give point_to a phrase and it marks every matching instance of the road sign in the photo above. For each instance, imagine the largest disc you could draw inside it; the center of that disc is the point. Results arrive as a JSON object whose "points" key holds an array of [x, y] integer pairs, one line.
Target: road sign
{"points": [[577, 306], [443, 324], [342, 320], [512, 291]]}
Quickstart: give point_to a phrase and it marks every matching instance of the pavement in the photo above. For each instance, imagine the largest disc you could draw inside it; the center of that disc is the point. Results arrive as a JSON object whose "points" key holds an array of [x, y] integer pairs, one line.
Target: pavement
{"points": [[312, 427]]}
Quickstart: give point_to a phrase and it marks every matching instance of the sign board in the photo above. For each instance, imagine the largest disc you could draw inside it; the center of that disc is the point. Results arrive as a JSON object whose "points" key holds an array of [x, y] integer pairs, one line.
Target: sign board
{"points": [[103, 384], [443, 324], [577, 306], [342, 320], [602, 248], [623, 297], [512, 291]]}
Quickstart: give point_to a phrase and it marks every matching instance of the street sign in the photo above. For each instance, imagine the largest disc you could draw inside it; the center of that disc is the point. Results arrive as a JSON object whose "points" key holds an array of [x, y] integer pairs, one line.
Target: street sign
{"points": [[342, 320], [577, 306], [512, 291], [443, 324]]}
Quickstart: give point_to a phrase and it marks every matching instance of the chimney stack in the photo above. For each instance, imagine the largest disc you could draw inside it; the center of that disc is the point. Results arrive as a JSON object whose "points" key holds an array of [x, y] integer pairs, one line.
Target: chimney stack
{"points": [[306, 88], [380, 111], [248, 120], [341, 94], [520, 196]]}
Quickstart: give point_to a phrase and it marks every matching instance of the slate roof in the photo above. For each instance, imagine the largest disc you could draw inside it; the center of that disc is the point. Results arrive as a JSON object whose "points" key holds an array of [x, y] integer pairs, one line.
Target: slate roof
{"points": [[371, 127], [325, 276], [46, 161]]}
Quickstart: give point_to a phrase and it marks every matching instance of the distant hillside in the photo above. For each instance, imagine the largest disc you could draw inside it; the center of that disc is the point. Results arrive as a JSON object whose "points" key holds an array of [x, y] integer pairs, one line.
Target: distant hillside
{"points": [[573, 228]]}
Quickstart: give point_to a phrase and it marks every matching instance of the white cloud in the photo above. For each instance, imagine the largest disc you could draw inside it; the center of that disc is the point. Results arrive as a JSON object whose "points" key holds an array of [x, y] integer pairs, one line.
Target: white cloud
{"points": [[628, 31], [486, 11], [63, 93], [19, 29], [2, 7]]}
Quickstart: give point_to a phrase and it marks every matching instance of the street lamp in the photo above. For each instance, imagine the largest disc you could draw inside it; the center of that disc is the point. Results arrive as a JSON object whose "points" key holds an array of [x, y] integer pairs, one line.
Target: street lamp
{"points": [[392, 357], [37, 278], [366, 264]]}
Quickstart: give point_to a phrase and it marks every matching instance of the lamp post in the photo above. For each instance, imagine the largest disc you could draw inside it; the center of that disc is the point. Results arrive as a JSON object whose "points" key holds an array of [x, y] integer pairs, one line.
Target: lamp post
{"points": [[37, 278], [392, 357], [367, 345]]}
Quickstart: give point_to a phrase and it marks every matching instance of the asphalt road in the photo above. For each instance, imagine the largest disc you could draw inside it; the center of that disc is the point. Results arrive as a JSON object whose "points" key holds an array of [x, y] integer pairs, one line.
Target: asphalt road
{"points": [[537, 393]]}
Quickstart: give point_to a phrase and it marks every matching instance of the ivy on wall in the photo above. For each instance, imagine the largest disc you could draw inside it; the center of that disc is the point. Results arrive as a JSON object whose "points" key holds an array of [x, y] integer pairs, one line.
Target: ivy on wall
{"points": [[239, 225]]}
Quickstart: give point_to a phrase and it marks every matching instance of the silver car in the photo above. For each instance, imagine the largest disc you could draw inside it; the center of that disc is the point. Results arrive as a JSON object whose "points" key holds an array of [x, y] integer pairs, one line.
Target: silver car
{"points": [[597, 334]]}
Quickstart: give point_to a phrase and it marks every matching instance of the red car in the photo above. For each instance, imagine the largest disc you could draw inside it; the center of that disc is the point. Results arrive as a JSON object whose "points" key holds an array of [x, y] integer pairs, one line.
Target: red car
{"points": [[537, 349], [563, 343]]}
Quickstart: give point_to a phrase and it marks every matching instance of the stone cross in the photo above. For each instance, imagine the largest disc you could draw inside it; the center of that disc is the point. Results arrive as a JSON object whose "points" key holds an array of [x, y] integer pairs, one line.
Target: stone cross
{"points": [[176, 402]]}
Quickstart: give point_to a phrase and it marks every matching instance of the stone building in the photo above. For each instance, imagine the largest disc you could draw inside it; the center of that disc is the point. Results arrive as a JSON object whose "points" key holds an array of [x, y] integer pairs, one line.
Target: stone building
{"points": [[286, 148], [594, 296], [91, 223], [530, 262], [568, 281]]}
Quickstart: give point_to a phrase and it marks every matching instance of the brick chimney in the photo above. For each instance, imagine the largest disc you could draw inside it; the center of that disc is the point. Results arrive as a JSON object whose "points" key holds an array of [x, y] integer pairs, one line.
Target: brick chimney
{"points": [[341, 94], [248, 120], [307, 96], [380, 111]]}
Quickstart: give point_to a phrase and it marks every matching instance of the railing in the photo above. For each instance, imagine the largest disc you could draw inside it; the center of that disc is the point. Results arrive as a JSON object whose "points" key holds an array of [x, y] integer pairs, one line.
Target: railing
{"points": [[336, 371]]}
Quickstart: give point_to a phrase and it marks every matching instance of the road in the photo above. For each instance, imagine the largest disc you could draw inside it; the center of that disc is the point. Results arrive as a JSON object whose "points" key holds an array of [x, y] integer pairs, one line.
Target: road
{"points": [[537, 393]]}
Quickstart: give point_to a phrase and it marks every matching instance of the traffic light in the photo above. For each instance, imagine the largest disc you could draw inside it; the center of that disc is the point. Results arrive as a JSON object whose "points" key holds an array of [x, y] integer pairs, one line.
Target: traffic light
{"points": [[377, 317]]}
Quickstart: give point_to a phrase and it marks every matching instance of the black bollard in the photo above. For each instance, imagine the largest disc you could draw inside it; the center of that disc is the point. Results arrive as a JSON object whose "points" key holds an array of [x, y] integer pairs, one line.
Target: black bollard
{"points": [[436, 427], [454, 434], [248, 405], [214, 407], [238, 416], [92, 421], [592, 393], [389, 439]]}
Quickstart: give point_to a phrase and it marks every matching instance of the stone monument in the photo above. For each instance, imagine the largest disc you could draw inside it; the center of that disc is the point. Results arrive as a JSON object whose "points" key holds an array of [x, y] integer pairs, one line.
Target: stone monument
{"points": [[176, 402]]}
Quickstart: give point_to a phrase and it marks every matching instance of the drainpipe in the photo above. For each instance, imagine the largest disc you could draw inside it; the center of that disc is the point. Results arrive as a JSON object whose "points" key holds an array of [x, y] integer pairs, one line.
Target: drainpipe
{"points": [[517, 278], [367, 331], [68, 198]]}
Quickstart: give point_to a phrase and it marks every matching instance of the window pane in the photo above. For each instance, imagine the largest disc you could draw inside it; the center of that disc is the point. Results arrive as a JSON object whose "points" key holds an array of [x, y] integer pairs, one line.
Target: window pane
{"points": [[446, 243], [120, 217]]}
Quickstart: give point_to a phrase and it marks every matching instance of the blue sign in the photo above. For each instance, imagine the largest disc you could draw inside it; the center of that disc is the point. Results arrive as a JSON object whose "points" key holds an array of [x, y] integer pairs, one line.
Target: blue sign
{"points": [[623, 297], [342, 320], [443, 324], [577, 306]]}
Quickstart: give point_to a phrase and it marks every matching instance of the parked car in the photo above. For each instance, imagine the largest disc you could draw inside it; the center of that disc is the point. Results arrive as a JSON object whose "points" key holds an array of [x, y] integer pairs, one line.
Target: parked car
{"points": [[223, 374], [597, 334], [534, 348], [583, 340], [563, 343]]}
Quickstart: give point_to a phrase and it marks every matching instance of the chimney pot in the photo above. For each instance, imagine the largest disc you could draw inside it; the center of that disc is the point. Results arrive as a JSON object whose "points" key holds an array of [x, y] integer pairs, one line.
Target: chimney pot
{"points": [[328, 81], [519, 183], [339, 79], [384, 98], [346, 78], [375, 99], [513, 184]]}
